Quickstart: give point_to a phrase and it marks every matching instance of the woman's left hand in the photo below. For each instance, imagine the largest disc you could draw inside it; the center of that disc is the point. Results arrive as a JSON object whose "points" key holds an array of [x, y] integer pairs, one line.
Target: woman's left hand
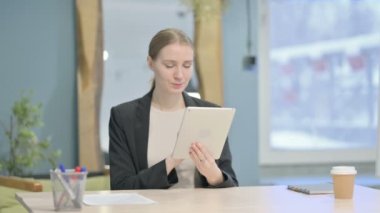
{"points": [[205, 163]]}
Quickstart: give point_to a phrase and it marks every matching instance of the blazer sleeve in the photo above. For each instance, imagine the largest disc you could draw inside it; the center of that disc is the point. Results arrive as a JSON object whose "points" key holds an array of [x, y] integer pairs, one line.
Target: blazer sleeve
{"points": [[225, 164], [124, 171]]}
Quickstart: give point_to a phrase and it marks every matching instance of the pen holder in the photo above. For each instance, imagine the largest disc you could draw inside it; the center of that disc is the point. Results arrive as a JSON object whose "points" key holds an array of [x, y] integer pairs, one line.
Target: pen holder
{"points": [[68, 188]]}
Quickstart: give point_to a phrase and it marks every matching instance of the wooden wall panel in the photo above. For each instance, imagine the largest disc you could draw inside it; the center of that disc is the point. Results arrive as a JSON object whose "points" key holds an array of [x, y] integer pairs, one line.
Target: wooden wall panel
{"points": [[89, 81], [208, 49]]}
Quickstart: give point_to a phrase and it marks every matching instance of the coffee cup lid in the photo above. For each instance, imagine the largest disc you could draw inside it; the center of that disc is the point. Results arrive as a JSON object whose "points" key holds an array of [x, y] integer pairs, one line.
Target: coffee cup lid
{"points": [[343, 170]]}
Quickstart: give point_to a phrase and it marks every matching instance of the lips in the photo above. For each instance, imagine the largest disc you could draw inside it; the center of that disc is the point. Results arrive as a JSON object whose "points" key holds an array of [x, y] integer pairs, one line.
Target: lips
{"points": [[177, 86]]}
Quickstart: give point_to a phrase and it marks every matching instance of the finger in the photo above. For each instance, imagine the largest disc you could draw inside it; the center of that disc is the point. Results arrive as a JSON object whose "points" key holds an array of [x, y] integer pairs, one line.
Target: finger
{"points": [[198, 152], [195, 157], [206, 154]]}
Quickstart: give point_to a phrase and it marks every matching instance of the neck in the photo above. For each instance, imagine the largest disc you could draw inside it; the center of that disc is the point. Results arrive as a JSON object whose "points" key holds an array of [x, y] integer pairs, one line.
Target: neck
{"points": [[166, 102]]}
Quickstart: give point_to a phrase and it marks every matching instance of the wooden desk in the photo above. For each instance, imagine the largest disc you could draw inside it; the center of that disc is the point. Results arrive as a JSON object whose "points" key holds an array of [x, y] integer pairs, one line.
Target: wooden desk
{"points": [[239, 199]]}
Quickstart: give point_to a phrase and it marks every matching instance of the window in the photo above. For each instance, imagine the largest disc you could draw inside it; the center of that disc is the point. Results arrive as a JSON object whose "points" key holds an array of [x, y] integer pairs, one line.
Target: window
{"points": [[319, 80]]}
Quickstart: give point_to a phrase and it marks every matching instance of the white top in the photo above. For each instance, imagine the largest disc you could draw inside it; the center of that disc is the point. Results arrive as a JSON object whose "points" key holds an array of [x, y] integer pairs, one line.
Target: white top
{"points": [[163, 129]]}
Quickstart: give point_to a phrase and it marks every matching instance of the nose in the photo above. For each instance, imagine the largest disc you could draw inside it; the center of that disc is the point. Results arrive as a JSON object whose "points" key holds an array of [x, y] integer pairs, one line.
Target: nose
{"points": [[178, 74]]}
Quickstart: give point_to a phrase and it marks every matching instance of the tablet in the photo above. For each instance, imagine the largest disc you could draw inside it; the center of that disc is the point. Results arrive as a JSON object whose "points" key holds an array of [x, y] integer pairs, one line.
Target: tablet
{"points": [[206, 125], [311, 189]]}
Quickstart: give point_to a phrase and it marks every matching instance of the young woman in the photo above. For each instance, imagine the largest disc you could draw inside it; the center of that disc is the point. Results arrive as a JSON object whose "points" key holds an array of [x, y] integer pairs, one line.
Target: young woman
{"points": [[143, 131]]}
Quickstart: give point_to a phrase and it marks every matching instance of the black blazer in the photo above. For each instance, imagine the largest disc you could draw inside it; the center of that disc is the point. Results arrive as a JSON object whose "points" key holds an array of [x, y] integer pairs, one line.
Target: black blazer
{"points": [[128, 132]]}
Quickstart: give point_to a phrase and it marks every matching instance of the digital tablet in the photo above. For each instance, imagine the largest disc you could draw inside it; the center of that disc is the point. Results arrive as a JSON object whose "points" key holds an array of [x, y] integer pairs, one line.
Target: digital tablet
{"points": [[311, 189], [206, 125]]}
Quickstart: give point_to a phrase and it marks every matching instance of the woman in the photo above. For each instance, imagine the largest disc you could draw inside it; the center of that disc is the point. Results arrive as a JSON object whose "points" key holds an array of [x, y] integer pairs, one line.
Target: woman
{"points": [[143, 131]]}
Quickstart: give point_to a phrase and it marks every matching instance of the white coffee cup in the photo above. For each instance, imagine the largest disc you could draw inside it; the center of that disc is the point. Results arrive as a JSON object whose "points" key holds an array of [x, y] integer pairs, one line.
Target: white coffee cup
{"points": [[344, 180]]}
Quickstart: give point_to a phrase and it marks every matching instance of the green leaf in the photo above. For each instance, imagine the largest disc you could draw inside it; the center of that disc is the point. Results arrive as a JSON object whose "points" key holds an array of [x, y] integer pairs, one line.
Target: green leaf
{"points": [[27, 150]]}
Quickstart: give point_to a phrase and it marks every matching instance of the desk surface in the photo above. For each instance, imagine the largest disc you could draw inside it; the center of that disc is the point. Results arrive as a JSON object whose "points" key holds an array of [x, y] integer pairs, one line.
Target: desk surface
{"points": [[237, 199]]}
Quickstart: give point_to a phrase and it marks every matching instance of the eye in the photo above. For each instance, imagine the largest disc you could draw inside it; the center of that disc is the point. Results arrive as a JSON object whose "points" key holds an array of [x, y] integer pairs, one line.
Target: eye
{"points": [[187, 66], [169, 66]]}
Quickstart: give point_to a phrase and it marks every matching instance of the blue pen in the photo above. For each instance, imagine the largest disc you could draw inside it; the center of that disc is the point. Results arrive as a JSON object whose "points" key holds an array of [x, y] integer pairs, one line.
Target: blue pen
{"points": [[62, 167], [63, 170], [83, 169]]}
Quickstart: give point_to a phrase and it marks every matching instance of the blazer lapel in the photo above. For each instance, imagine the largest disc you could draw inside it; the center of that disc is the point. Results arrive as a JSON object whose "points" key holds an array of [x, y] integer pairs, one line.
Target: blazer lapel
{"points": [[142, 129], [188, 100]]}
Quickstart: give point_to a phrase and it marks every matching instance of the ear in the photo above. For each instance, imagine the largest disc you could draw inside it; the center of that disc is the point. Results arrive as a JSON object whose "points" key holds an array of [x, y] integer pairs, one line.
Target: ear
{"points": [[149, 60]]}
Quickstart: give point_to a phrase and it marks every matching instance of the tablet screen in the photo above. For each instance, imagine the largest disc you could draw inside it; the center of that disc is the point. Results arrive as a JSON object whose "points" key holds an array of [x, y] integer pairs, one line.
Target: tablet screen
{"points": [[206, 125]]}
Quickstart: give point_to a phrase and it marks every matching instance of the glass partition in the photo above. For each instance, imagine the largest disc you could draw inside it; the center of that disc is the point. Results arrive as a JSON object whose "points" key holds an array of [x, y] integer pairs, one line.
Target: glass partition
{"points": [[128, 27]]}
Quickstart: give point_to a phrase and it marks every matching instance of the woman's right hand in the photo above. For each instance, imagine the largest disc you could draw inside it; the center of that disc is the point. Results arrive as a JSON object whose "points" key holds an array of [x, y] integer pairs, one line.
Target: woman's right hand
{"points": [[171, 163]]}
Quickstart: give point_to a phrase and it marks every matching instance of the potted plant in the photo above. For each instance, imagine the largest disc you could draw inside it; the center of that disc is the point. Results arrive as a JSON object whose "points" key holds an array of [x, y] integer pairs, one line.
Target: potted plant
{"points": [[26, 150]]}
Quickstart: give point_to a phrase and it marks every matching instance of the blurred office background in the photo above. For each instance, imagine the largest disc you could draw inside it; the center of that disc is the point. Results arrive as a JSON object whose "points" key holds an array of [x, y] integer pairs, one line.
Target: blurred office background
{"points": [[307, 101]]}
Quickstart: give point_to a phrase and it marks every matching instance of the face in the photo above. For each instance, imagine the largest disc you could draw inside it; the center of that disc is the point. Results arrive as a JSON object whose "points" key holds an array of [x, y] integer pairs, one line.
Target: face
{"points": [[172, 68]]}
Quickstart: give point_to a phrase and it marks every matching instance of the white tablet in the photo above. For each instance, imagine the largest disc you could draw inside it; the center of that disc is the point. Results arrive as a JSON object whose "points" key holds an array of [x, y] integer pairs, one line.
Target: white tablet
{"points": [[206, 125]]}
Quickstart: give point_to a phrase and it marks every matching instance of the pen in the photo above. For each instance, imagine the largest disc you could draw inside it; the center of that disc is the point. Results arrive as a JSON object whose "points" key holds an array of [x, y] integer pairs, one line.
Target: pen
{"points": [[67, 192], [62, 168], [65, 181], [77, 169]]}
